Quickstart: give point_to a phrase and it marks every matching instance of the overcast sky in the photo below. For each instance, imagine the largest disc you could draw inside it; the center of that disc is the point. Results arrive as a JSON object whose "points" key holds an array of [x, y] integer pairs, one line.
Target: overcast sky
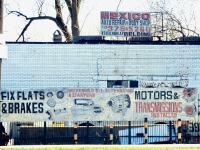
{"points": [[89, 16]]}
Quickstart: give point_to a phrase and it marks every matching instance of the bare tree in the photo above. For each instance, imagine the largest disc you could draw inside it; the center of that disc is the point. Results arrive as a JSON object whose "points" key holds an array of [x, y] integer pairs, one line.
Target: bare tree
{"points": [[73, 8], [171, 19]]}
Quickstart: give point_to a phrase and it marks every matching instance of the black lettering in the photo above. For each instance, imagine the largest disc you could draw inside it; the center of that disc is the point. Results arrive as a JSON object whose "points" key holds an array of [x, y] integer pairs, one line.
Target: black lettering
{"points": [[169, 94], [10, 107], [175, 95], [34, 108], [137, 94], [12, 95], [23, 108], [150, 94], [144, 95], [162, 94], [3, 95], [36, 92], [3, 106], [41, 94], [196, 126], [23, 96], [28, 109], [16, 107], [156, 95], [40, 106], [191, 127], [30, 96], [19, 95], [8, 95]]}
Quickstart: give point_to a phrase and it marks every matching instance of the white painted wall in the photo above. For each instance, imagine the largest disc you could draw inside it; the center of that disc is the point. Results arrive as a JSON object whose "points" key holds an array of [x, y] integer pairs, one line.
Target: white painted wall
{"points": [[82, 65]]}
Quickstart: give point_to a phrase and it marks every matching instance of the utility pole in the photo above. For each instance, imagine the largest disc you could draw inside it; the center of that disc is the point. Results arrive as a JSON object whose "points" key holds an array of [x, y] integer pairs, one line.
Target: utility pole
{"points": [[1, 32]]}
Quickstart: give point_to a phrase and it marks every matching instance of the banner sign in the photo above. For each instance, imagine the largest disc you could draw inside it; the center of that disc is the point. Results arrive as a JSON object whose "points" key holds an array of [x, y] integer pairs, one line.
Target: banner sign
{"points": [[111, 104], [125, 24]]}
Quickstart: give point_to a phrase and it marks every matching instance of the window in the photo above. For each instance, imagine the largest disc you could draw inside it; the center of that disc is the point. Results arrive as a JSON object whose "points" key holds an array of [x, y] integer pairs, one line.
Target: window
{"points": [[133, 84], [122, 84]]}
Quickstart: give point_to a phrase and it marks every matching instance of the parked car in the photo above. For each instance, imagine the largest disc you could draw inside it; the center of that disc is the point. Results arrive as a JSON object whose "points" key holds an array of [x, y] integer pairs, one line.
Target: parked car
{"points": [[156, 134]]}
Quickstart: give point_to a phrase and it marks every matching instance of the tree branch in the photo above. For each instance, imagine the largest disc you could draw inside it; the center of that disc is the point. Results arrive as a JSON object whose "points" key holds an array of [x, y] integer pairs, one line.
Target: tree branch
{"points": [[60, 22], [69, 5], [23, 31], [31, 19]]}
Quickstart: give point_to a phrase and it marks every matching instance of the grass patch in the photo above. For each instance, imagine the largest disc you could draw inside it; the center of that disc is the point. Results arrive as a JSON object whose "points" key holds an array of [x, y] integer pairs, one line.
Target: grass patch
{"points": [[100, 147]]}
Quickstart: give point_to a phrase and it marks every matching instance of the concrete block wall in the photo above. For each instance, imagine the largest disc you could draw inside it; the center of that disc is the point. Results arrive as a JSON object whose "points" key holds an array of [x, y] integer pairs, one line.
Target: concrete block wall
{"points": [[39, 66]]}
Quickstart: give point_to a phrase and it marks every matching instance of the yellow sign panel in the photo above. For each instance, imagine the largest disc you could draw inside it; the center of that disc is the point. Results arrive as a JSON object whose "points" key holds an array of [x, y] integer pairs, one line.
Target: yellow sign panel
{"points": [[58, 123]]}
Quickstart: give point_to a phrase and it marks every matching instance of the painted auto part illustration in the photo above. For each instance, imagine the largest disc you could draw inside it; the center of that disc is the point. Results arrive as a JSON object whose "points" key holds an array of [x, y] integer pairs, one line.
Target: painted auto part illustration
{"points": [[60, 94], [53, 113], [58, 111], [190, 110], [51, 102], [85, 102], [120, 103], [189, 94], [50, 113], [49, 94], [85, 107]]}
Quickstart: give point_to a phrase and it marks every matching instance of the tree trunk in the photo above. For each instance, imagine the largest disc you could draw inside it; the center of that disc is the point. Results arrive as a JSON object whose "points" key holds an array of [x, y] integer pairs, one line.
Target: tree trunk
{"points": [[60, 22], [74, 17]]}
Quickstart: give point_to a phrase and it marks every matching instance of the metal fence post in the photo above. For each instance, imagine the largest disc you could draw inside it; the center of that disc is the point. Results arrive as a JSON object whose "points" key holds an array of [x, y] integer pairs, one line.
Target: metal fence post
{"points": [[104, 134], [129, 132], [170, 132], [45, 133], [75, 134], [87, 138], [1, 140], [179, 131], [145, 131], [111, 133]]}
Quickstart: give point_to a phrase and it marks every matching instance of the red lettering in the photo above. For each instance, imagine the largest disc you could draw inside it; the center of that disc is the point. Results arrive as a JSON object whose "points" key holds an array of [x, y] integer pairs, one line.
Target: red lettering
{"points": [[180, 106], [140, 107], [137, 107], [129, 16], [104, 15], [123, 16], [113, 15], [145, 16], [136, 16]]}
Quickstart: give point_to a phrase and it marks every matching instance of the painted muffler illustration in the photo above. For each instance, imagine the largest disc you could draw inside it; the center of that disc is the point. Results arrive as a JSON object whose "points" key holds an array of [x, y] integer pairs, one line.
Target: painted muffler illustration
{"points": [[85, 107]]}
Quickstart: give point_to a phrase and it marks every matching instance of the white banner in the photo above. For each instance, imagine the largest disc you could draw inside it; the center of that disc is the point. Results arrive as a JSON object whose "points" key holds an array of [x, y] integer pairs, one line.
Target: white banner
{"points": [[166, 104], [111, 104], [125, 24]]}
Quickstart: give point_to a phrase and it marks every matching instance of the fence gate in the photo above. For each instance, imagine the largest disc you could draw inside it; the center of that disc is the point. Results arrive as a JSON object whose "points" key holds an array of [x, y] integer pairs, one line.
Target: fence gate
{"points": [[98, 132]]}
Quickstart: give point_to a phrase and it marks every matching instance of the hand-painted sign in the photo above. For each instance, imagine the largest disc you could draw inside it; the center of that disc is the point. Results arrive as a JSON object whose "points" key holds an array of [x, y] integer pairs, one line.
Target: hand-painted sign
{"points": [[111, 104], [170, 103], [169, 84], [125, 24]]}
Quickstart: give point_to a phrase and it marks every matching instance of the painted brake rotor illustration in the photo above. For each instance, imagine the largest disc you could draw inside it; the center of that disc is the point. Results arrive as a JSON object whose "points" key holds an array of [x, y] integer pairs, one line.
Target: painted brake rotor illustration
{"points": [[120, 103], [51, 102], [60, 94], [49, 94], [190, 110], [85, 107]]}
